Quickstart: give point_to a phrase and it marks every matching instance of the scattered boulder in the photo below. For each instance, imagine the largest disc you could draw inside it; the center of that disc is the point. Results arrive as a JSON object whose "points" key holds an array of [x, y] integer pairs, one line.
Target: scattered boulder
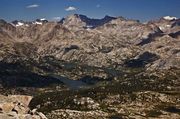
{"points": [[88, 102]]}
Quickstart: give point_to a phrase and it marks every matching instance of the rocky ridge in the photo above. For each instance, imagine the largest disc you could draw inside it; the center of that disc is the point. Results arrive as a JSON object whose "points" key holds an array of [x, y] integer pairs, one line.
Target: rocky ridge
{"points": [[107, 41], [110, 40]]}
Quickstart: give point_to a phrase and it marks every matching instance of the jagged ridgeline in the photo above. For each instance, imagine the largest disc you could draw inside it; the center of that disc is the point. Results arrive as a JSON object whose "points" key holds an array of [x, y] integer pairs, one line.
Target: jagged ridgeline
{"points": [[84, 67]]}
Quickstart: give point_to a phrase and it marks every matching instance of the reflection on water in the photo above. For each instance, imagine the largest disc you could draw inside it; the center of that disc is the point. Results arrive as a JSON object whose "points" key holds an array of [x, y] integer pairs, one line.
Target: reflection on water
{"points": [[72, 84]]}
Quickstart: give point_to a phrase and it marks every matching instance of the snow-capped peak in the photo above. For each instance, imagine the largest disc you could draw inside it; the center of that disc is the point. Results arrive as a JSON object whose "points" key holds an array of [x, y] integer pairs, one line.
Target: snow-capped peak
{"points": [[169, 18]]}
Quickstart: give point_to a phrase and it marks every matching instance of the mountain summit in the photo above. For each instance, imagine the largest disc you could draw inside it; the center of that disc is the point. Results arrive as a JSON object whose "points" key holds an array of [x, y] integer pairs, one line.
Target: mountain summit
{"points": [[84, 21]]}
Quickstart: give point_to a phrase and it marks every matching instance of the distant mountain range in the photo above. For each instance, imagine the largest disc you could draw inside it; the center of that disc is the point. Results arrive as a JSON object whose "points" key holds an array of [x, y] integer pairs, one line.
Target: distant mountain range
{"points": [[106, 42]]}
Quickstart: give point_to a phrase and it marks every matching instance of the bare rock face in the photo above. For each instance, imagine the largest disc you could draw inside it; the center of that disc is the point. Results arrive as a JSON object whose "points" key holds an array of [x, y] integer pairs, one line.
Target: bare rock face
{"points": [[19, 98], [74, 20], [16, 107], [83, 21], [7, 107], [167, 24]]}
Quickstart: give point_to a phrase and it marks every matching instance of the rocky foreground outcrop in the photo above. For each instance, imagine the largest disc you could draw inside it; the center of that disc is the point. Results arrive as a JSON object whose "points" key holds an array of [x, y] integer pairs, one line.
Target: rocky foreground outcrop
{"points": [[16, 107]]}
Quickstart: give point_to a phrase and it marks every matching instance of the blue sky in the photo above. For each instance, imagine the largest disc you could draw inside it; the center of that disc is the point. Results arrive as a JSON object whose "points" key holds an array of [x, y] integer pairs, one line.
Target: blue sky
{"points": [[55, 9]]}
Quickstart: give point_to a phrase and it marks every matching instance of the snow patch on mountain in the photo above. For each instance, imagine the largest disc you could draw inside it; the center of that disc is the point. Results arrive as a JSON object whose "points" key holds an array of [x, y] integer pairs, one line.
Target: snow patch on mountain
{"points": [[19, 24], [170, 18], [40, 21]]}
